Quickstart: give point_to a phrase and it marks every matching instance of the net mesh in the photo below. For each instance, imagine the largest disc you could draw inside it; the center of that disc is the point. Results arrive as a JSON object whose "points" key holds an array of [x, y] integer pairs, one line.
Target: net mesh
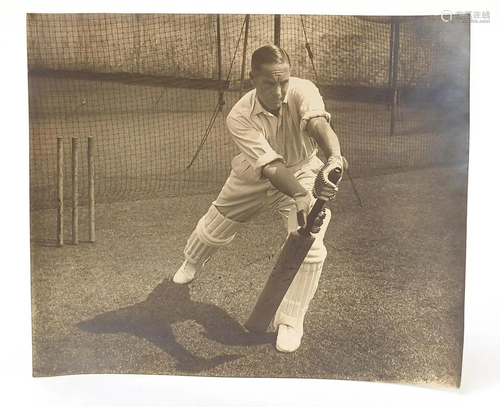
{"points": [[154, 90]]}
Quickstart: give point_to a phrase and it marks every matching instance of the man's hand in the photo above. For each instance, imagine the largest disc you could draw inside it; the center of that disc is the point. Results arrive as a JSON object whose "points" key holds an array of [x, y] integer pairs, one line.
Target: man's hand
{"points": [[303, 204], [299, 215], [338, 161], [327, 190]]}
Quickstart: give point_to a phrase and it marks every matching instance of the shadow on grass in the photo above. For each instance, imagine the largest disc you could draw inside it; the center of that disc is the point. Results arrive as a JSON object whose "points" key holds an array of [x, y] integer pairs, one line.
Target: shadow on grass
{"points": [[171, 303]]}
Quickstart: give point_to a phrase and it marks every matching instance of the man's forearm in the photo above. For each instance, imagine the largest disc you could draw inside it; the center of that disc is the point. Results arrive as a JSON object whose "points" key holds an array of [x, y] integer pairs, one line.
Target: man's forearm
{"points": [[282, 179], [320, 130]]}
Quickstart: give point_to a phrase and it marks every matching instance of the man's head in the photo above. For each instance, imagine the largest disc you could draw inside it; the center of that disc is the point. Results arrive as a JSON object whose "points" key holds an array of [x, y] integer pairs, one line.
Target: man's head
{"points": [[270, 75]]}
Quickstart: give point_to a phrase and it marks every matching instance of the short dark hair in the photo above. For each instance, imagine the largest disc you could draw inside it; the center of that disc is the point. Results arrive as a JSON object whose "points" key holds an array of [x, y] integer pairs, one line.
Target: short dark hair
{"points": [[269, 54]]}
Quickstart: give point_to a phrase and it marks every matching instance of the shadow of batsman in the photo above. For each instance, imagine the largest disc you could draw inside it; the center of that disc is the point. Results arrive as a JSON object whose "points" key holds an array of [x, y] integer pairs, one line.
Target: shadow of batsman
{"points": [[287, 265]]}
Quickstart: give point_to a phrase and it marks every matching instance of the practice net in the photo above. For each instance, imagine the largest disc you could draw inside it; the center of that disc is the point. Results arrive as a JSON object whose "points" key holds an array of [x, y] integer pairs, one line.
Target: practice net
{"points": [[154, 91]]}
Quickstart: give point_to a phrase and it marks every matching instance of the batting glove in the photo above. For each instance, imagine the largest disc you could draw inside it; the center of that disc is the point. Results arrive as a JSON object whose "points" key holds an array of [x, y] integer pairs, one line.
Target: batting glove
{"points": [[302, 203], [324, 189]]}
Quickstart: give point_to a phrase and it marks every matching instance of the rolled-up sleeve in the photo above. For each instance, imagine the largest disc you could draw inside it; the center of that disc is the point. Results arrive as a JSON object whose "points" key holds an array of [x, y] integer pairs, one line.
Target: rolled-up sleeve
{"points": [[252, 143], [310, 104]]}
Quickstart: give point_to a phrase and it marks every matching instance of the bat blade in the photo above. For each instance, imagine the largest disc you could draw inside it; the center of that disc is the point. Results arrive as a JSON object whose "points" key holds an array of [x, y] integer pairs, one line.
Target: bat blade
{"points": [[288, 263]]}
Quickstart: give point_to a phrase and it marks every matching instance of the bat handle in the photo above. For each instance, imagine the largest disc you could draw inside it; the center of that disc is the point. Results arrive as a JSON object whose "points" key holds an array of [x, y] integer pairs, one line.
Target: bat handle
{"points": [[334, 177], [335, 174], [316, 209]]}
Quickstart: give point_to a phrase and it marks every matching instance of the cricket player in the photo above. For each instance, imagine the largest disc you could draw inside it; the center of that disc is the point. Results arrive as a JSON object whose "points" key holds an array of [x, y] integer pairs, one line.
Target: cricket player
{"points": [[278, 127]]}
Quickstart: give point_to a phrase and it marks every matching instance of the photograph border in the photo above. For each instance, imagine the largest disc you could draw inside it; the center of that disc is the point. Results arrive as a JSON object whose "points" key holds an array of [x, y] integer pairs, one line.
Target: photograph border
{"points": [[481, 350]]}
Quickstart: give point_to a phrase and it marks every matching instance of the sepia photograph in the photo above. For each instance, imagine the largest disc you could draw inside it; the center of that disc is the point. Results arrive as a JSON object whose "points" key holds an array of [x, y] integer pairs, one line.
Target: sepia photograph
{"points": [[271, 196], [254, 205]]}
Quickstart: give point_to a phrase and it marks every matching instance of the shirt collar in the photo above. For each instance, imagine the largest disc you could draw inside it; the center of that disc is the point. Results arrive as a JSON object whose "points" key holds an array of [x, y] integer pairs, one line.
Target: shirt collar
{"points": [[257, 106]]}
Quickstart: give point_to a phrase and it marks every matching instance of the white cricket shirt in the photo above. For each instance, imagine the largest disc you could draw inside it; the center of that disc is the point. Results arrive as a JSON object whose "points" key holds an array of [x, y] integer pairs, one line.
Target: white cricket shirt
{"points": [[263, 137]]}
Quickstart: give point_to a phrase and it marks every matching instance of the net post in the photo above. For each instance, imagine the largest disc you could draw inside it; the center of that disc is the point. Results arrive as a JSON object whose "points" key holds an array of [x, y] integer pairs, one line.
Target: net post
{"points": [[60, 192], [219, 63], [244, 59], [277, 30], [91, 203], [391, 52], [395, 78], [74, 174]]}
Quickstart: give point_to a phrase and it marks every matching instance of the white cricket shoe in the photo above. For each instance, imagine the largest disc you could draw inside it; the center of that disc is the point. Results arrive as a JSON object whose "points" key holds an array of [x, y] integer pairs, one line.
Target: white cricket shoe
{"points": [[288, 338], [185, 274]]}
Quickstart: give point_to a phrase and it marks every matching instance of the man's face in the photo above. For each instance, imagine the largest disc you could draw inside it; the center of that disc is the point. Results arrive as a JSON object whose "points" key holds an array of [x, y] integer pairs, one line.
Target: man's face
{"points": [[271, 84]]}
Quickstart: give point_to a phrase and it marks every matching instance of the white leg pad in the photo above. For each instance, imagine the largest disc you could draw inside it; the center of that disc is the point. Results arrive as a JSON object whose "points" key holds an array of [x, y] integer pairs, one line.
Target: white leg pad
{"points": [[317, 252], [296, 302], [213, 231]]}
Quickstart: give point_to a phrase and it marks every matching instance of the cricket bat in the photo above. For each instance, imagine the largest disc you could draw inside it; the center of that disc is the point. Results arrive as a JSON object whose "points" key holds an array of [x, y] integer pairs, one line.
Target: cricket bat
{"points": [[287, 265]]}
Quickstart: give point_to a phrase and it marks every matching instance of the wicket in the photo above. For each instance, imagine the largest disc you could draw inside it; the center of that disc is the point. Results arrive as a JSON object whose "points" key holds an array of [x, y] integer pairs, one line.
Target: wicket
{"points": [[60, 191], [90, 157], [75, 190], [74, 173]]}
